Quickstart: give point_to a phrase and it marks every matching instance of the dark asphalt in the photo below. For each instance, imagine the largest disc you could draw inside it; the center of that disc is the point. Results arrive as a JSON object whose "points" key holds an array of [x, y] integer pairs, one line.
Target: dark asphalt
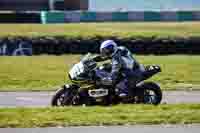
{"points": [[42, 99], [127, 129]]}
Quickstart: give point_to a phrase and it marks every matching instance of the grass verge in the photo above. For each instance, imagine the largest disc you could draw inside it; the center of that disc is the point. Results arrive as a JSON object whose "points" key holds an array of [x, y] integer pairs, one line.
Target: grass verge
{"points": [[95, 116], [126, 29], [49, 72]]}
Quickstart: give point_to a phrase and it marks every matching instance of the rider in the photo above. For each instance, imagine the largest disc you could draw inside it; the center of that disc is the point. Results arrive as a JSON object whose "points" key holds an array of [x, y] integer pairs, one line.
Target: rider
{"points": [[123, 63]]}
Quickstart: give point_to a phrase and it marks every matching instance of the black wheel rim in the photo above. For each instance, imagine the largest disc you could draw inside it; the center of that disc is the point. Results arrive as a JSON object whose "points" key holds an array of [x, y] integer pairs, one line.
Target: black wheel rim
{"points": [[64, 99], [60, 100], [150, 97]]}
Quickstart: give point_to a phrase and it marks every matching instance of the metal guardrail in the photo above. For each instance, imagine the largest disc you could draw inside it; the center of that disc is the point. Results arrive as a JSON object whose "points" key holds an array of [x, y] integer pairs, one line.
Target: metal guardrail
{"points": [[87, 16]]}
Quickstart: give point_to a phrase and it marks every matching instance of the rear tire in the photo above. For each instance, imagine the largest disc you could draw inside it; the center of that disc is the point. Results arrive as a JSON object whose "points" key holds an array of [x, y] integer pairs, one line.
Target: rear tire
{"points": [[151, 87]]}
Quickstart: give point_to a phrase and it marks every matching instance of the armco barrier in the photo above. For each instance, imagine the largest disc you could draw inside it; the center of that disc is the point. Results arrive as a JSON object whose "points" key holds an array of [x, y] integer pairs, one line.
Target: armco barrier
{"points": [[52, 17], [103, 16], [185, 16], [196, 15], [87, 16], [152, 16], [168, 16], [72, 17], [136, 16], [120, 16]]}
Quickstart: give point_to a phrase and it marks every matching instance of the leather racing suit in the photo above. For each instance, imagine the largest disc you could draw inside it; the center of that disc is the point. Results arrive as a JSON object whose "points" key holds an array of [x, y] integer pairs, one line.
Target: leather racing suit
{"points": [[123, 64]]}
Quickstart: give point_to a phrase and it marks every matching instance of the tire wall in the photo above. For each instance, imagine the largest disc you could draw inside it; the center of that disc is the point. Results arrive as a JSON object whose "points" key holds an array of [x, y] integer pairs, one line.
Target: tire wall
{"points": [[20, 17], [61, 45]]}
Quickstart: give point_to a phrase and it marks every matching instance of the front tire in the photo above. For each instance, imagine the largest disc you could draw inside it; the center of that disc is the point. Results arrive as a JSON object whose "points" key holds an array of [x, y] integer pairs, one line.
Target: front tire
{"points": [[64, 96]]}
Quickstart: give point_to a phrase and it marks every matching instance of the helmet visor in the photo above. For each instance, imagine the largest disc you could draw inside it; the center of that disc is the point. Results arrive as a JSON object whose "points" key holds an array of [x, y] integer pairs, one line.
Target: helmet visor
{"points": [[105, 52]]}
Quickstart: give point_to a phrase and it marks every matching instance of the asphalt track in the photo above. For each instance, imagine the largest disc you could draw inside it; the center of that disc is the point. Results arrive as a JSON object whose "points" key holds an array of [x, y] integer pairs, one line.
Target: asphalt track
{"points": [[42, 99], [117, 129]]}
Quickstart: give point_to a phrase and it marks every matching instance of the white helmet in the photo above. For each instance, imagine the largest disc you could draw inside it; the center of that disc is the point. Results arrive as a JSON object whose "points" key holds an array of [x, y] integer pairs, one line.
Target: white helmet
{"points": [[108, 48]]}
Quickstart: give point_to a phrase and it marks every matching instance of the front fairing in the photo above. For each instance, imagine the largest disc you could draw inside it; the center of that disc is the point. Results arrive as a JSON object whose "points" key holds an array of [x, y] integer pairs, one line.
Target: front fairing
{"points": [[81, 72]]}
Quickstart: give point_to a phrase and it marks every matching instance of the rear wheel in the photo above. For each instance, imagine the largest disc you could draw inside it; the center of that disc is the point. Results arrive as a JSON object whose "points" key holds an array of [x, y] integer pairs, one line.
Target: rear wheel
{"points": [[152, 93]]}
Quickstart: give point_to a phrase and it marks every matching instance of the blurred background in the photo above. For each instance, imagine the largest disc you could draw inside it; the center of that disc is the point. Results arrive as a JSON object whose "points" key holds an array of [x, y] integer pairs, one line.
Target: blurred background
{"points": [[100, 5]]}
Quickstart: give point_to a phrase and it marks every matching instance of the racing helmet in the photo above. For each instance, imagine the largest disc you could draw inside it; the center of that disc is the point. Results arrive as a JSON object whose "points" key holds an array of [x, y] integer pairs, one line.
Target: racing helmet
{"points": [[108, 48]]}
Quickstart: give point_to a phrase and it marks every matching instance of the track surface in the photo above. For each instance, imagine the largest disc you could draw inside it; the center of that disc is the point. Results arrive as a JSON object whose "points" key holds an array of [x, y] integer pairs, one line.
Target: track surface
{"points": [[42, 99], [128, 129]]}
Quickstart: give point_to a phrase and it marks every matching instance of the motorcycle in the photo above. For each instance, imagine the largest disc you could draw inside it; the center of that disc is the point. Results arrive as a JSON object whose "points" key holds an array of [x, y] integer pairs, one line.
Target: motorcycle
{"points": [[88, 86]]}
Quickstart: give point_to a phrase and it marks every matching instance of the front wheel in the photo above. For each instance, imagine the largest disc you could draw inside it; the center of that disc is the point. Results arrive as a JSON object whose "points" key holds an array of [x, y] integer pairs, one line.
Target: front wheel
{"points": [[64, 96], [152, 93]]}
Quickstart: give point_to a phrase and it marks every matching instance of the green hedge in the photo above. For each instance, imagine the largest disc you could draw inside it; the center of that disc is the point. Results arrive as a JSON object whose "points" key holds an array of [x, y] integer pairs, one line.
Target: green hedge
{"points": [[61, 45]]}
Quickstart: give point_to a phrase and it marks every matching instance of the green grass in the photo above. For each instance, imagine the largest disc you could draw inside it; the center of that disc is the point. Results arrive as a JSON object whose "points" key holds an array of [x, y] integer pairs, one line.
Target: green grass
{"points": [[49, 72], [94, 116], [126, 29]]}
